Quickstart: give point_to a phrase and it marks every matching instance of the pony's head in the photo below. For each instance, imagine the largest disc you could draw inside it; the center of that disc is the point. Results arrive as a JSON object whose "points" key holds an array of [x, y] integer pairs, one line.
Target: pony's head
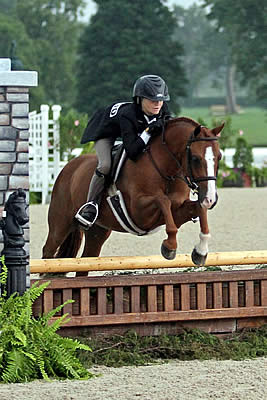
{"points": [[203, 155], [195, 148]]}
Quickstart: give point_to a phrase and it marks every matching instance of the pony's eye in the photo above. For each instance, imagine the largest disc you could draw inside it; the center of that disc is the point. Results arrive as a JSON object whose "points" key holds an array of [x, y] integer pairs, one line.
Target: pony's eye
{"points": [[196, 160]]}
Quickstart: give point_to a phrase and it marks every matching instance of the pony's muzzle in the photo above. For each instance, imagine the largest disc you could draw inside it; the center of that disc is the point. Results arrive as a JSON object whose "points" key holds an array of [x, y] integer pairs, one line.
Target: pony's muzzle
{"points": [[209, 202]]}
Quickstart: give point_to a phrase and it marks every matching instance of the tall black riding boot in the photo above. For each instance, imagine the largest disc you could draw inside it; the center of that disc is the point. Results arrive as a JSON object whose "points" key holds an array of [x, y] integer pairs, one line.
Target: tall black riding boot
{"points": [[88, 212]]}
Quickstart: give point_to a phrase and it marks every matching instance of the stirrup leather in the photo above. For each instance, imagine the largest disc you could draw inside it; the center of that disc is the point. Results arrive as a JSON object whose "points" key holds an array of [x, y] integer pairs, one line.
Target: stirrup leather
{"points": [[83, 220]]}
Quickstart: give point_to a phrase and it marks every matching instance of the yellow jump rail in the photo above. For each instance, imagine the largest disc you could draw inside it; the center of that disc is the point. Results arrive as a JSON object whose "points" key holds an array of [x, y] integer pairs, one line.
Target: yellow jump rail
{"points": [[139, 262]]}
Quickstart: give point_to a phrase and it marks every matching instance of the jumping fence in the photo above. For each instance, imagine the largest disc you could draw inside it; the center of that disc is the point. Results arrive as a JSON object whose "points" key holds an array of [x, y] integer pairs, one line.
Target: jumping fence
{"points": [[152, 303]]}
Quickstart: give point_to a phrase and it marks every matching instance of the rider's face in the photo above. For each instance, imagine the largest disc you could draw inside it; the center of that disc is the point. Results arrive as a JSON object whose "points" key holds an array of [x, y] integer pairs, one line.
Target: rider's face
{"points": [[151, 107]]}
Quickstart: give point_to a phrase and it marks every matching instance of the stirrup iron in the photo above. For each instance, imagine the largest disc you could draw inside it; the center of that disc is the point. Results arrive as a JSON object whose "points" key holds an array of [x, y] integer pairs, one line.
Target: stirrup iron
{"points": [[83, 221]]}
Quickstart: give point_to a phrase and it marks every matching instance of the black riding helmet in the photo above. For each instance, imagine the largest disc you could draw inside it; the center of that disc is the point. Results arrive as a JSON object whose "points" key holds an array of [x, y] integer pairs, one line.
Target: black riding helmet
{"points": [[151, 87]]}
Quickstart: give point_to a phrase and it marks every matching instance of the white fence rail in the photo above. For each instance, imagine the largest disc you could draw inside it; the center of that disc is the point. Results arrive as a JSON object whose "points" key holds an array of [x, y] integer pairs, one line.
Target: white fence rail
{"points": [[44, 155]]}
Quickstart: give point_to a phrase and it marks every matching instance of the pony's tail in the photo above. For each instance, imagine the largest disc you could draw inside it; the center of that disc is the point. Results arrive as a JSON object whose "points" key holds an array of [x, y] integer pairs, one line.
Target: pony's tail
{"points": [[70, 247]]}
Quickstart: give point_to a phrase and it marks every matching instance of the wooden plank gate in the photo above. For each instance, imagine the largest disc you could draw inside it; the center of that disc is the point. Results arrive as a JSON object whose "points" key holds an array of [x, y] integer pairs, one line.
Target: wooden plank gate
{"points": [[216, 302], [44, 154]]}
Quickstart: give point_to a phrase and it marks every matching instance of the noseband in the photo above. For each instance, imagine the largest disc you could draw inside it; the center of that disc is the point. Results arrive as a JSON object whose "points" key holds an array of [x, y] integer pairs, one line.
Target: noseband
{"points": [[188, 178]]}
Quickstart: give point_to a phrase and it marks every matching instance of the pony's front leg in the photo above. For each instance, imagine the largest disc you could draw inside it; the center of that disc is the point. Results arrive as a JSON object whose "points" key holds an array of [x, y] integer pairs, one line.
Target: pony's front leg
{"points": [[169, 245], [200, 251]]}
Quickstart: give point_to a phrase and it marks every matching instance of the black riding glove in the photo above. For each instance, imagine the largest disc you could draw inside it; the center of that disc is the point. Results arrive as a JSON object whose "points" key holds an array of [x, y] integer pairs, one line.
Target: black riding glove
{"points": [[156, 127]]}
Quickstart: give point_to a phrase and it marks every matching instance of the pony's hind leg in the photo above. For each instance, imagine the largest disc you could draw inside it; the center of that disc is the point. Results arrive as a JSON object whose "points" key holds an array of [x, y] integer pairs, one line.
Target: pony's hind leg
{"points": [[51, 246], [95, 237], [57, 235]]}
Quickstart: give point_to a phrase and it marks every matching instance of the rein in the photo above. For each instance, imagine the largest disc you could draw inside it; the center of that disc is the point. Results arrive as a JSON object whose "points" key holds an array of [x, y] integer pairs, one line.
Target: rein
{"points": [[189, 178]]}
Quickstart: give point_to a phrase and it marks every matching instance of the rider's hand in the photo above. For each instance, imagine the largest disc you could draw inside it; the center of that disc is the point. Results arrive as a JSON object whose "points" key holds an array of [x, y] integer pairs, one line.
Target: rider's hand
{"points": [[156, 127]]}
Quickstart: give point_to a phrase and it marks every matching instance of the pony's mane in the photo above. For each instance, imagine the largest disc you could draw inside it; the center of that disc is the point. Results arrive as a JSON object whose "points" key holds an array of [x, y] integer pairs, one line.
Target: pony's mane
{"points": [[184, 119]]}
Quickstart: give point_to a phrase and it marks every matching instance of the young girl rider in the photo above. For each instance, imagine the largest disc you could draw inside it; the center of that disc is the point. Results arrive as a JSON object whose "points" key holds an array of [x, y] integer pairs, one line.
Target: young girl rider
{"points": [[135, 122]]}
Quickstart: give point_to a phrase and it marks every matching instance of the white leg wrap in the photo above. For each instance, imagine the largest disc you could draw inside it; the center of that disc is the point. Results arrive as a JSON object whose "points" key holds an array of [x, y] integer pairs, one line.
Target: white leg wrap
{"points": [[202, 247]]}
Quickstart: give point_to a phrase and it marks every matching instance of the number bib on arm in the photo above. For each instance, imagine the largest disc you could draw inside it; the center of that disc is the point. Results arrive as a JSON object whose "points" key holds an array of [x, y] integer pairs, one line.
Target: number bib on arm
{"points": [[115, 108]]}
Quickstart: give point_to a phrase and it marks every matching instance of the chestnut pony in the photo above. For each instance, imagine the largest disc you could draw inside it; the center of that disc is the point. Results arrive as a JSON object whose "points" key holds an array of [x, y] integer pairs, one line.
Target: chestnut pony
{"points": [[156, 190]]}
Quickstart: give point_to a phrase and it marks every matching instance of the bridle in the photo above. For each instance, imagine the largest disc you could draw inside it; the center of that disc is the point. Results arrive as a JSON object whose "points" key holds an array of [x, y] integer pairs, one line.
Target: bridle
{"points": [[188, 178]]}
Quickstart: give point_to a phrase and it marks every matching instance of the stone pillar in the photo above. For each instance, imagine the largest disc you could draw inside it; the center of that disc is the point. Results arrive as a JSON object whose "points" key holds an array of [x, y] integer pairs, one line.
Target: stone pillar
{"points": [[14, 134]]}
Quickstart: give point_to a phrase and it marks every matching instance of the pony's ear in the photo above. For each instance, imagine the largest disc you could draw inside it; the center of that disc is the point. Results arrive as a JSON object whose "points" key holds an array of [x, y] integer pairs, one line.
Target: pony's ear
{"points": [[216, 131], [197, 130]]}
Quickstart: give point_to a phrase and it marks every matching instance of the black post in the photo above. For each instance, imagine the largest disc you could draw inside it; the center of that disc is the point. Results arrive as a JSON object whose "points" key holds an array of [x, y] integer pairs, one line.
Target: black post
{"points": [[16, 64], [16, 260]]}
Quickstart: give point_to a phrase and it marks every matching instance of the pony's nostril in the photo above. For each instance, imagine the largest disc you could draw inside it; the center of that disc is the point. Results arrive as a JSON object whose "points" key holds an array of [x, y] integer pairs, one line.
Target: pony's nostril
{"points": [[207, 202]]}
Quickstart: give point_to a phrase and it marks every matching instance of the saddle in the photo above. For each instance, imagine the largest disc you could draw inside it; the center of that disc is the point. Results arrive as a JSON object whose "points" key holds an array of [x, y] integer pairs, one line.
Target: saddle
{"points": [[115, 197], [118, 155]]}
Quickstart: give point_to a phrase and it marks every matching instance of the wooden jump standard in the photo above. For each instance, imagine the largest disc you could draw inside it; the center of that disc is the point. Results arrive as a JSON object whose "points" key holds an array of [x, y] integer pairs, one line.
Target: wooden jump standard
{"points": [[151, 262]]}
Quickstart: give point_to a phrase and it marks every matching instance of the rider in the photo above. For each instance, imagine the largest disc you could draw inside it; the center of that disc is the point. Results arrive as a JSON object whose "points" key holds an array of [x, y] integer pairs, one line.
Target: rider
{"points": [[135, 122]]}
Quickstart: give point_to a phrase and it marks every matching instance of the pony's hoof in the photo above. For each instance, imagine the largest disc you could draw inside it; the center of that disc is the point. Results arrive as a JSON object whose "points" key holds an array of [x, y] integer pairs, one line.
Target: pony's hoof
{"points": [[168, 254], [198, 259]]}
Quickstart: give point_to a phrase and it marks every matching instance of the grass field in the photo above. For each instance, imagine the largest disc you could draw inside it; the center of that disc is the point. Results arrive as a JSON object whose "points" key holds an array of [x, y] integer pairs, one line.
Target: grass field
{"points": [[252, 121]]}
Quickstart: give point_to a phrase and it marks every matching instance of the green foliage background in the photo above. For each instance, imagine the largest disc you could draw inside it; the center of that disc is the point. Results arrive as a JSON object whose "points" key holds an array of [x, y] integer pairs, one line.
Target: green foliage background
{"points": [[84, 65], [72, 126], [253, 123], [126, 40], [46, 34], [244, 23]]}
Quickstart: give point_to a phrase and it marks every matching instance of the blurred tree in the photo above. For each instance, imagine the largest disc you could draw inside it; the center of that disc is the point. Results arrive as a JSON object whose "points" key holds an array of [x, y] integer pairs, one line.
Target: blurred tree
{"points": [[123, 41], [12, 29], [8, 6], [205, 48], [54, 27], [243, 157], [244, 23], [72, 126], [46, 33]]}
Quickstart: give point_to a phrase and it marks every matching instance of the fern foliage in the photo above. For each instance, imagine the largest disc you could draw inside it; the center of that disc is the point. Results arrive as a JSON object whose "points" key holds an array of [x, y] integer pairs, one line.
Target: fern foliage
{"points": [[31, 348]]}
